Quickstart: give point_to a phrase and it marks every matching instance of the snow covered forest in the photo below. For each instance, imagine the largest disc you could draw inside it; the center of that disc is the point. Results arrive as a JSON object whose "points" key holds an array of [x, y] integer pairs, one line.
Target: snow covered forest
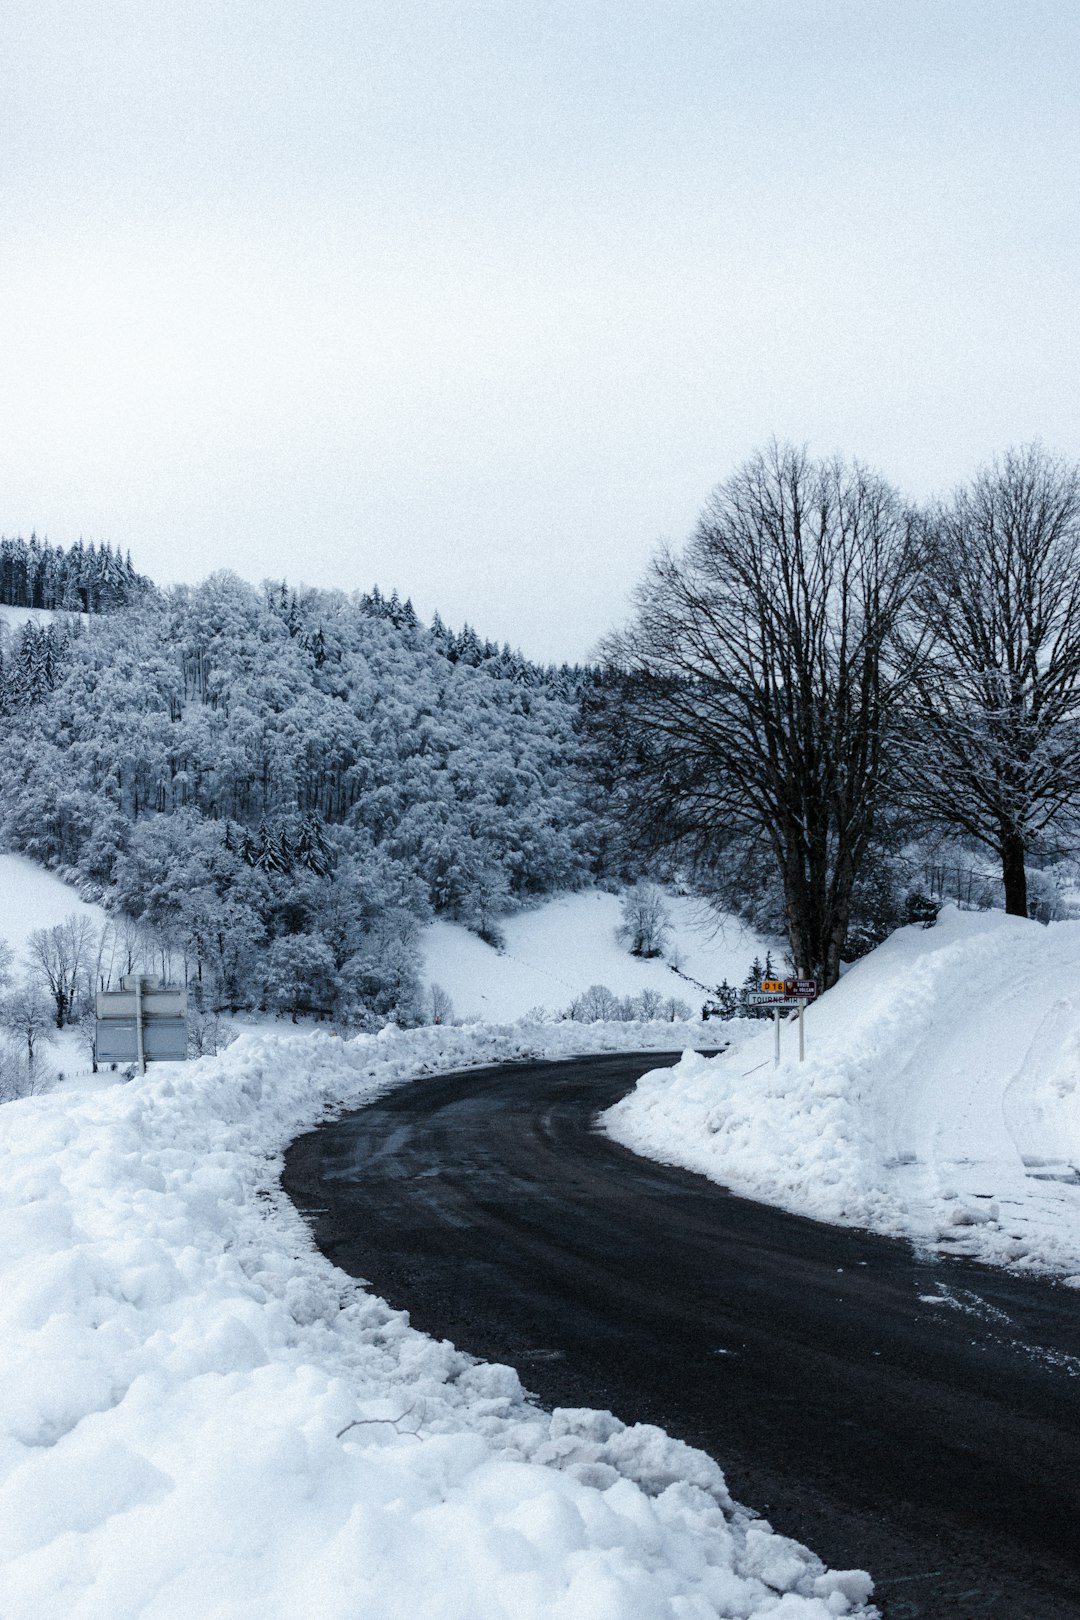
{"points": [[278, 787], [831, 711], [82, 579]]}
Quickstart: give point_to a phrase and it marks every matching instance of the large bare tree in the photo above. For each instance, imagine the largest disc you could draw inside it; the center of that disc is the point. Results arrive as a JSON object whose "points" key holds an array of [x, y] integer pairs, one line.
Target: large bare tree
{"points": [[995, 735], [58, 956], [760, 678]]}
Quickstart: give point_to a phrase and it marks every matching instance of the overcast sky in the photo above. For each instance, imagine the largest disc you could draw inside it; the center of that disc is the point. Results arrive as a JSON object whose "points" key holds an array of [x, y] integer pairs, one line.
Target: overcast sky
{"points": [[479, 300]]}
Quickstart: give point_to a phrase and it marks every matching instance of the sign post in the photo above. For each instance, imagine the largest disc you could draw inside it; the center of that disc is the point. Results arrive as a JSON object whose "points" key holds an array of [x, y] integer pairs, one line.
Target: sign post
{"points": [[783, 995], [140, 1043], [141, 1023]]}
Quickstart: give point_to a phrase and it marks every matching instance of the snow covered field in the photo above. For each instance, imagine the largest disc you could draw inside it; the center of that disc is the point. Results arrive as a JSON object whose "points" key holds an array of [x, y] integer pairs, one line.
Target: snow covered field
{"points": [[32, 898], [15, 617], [940, 1097], [558, 950], [201, 1416]]}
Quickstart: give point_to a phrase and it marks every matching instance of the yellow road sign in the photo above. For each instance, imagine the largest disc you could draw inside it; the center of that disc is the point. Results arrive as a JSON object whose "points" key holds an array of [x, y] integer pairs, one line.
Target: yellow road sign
{"points": [[775, 987]]}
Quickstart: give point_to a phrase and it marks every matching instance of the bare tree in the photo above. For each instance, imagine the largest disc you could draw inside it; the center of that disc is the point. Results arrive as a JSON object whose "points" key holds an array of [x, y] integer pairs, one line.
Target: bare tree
{"points": [[58, 955], [438, 1007], [645, 924], [995, 726], [26, 1015], [649, 1004], [594, 1004], [759, 684]]}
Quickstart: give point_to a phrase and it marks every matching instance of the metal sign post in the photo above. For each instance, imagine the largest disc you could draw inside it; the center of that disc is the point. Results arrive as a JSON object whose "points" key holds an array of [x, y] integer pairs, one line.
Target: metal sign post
{"points": [[784, 995], [143, 1022], [139, 1043]]}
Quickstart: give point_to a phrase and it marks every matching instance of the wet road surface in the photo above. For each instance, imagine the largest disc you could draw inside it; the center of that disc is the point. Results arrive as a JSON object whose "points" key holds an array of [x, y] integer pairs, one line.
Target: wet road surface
{"points": [[917, 1419]]}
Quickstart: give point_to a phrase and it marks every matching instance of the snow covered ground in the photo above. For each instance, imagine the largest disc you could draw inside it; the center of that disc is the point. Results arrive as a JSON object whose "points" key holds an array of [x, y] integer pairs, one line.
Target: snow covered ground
{"points": [[201, 1416], [16, 617], [939, 1100], [558, 950]]}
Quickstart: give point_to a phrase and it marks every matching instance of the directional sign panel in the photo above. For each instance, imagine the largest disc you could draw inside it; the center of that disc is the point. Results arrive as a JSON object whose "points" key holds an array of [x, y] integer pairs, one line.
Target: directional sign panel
{"points": [[116, 1040]]}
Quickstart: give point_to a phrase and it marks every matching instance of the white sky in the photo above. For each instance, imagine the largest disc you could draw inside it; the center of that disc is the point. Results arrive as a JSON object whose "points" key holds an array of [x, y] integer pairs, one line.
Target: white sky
{"points": [[479, 300]]}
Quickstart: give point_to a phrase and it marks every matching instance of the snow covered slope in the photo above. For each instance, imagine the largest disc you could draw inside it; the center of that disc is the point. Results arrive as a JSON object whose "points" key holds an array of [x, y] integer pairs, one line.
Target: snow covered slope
{"points": [[15, 617], [567, 944], [32, 898], [940, 1098], [200, 1416]]}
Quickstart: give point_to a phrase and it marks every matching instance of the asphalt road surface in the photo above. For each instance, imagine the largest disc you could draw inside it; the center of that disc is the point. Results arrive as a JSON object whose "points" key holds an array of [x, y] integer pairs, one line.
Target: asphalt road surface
{"points": [[935, 1444]]}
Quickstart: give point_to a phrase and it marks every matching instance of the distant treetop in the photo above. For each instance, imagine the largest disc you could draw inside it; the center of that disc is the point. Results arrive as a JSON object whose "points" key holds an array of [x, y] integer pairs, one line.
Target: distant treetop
{"points": [[82, 579]]}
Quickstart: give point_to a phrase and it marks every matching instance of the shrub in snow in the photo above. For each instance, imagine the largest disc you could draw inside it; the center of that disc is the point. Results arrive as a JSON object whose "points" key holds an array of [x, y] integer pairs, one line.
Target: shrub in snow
{"points": [[207, 1034], [595, 1004], [598, 1004]]}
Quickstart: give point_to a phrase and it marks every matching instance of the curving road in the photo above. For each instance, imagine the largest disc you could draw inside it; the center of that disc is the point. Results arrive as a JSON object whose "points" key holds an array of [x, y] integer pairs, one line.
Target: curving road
{"points": [[935, 1444]]}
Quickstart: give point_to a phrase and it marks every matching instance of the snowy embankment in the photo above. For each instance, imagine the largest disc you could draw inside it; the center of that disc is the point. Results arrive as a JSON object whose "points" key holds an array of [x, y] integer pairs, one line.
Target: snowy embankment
{"points": [[202, 1416], [939, 1100]]}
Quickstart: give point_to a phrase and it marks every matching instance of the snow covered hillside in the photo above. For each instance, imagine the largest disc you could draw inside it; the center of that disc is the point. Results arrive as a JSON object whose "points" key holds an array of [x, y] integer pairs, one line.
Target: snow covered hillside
{"points": [[15, 617], [201, 1416], [939, 1100], [32, 898], [555, 952]]}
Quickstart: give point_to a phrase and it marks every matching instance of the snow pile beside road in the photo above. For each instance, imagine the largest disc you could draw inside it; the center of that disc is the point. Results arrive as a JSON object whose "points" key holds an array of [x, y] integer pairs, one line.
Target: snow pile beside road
{"points": [[939, 1100], [199, 1415]]}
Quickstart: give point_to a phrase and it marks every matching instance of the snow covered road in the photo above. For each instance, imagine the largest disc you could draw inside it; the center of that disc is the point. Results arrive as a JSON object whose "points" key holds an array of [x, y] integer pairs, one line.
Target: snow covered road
{"points": [[915, 1417]]}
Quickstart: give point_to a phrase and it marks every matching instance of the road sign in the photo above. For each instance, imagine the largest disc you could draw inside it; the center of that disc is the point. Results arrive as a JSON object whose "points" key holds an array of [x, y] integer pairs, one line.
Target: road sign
{"points": [[772, 987], [781, 1001], [143, 1022], [801, 987]]}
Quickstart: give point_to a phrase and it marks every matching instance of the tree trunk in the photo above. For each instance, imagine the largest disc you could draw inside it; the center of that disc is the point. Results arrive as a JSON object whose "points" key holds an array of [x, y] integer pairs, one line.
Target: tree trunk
{"points": [[1014, 875]]}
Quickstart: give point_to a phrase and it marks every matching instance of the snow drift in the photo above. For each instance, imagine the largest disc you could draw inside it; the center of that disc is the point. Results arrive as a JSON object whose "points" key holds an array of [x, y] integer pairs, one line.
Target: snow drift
{"points": [[199, 1415], [939, 1100]]}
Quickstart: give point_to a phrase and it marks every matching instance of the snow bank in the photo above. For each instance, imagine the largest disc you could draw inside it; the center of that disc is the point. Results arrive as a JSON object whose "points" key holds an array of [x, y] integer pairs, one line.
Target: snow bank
{"points": [[940, 1097], [557, 950], [199, 1415]]}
